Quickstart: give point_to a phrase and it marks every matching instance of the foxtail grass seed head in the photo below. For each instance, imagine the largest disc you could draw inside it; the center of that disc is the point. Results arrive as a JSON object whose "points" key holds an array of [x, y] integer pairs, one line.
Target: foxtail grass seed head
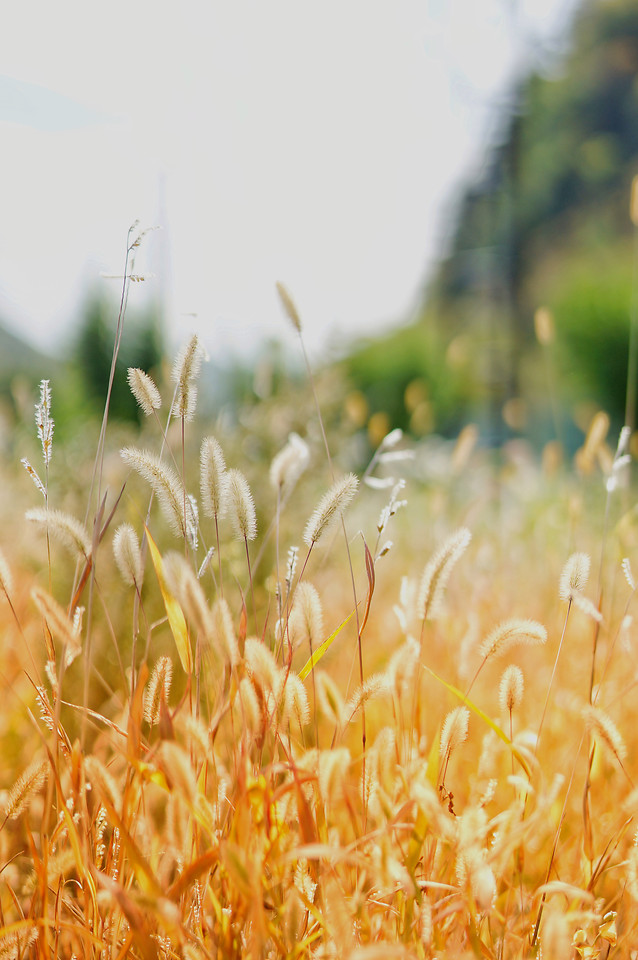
{"points": [[44, 422], [334, 766], [391, 439], [175, 764], [128, 556], [624, 439], [455, 730], [587, 607], [374, 686], [289, 464], [483, 886], [402, 667], [464, 448], [544, 326], [184, 375], [618, 474], [261, 665], [165, 483], [296, 706], [25, 788], [605, 730], [212, 478], [158, 688], [144, 390], [629, 577], [510, 688], [426, 924], [64, 528], [252, 714], [17, 944], [186, 587], [437, 574], [6, 577], [241, 506], [329, 697], [291, 565], [205, 564], [33, 473], [394, 504], [512, 633], [306, 618], [574, 577], [224, 637], [289, 306], [192, 522], [632, 869], [58, 623], [594, 442], [330, 507]]}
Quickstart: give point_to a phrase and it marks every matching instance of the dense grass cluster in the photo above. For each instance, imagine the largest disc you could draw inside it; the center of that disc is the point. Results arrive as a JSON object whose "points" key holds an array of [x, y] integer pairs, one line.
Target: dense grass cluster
{"points": [[310, 713]]}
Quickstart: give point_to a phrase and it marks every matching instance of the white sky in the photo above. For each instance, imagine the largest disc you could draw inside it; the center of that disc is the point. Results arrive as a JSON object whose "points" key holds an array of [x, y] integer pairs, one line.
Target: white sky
{"points": [[317, 143]]}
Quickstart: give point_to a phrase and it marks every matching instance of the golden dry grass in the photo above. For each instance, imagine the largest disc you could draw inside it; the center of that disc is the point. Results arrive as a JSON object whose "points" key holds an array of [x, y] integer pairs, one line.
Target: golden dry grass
{"points": [[286, 796]]}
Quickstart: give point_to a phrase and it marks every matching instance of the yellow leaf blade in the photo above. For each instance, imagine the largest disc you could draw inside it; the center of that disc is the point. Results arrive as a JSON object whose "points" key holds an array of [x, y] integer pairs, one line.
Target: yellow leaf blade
{"points": [[484, 717], [319, 652], [176, 619]]}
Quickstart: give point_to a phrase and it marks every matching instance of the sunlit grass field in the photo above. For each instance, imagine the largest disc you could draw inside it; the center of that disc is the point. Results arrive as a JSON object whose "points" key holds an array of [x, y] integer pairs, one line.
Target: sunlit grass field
{"points": [[258, 701]]}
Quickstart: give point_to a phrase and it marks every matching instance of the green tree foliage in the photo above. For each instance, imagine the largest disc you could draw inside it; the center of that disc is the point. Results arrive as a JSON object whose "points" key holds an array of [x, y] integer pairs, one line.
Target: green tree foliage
{"points": [[92, 352], [548, 224], [555, 204]]}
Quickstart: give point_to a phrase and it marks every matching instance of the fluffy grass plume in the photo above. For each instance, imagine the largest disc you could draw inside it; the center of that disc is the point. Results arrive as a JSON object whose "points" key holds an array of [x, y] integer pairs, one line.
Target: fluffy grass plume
{"points": [[455, 730], [289, 464], [158, 689], [574, 576], [25, 788], [511, 633], [330, 507], [62, 527], [165, 483], [241, 505], [128, 556], [6, 578], [185, 373], [144, 390], [44, 421], [212, 478], [437, 574], [289, 306], [57, 621], [600, 723], [510, 688]]}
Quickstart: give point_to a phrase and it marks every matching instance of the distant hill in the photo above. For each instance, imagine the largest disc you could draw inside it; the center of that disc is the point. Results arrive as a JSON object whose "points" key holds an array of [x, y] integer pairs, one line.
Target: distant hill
{"points": [[17, 357]]}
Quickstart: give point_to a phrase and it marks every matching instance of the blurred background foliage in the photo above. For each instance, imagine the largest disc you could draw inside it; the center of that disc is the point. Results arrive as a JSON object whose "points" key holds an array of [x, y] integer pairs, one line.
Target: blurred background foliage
{"points": [[546, 224]]}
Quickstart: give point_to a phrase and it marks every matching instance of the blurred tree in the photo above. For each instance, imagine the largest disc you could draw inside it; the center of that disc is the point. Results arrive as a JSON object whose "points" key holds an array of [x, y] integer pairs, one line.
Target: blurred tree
{"points": [[556, 196], [92, 352], [546, 225]]}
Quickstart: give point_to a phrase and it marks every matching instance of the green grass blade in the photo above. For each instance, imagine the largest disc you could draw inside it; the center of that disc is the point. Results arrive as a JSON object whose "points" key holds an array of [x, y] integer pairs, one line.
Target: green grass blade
{"points": [[319, 652], [484, 717]]}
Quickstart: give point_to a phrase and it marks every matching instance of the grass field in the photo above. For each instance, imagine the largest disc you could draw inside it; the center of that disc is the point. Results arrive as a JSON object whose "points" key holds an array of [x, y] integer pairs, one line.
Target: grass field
{"points": [[309, 712]]}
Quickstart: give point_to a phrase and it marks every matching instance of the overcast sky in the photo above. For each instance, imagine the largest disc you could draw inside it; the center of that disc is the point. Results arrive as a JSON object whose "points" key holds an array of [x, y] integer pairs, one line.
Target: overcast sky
{"points": [[318, 143]]}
